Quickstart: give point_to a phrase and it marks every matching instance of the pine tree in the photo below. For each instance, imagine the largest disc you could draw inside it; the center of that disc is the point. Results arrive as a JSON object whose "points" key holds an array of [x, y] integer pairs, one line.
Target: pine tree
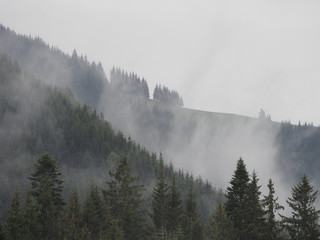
{"points": [[192, 225], [47, 188], [175, 208], [237, 196], [74, 224], [271, 207], [255, 215], [31, 225], [93, 212], [124, 199], [15, 219], [220, 226], [304, 222], [160, 201]]}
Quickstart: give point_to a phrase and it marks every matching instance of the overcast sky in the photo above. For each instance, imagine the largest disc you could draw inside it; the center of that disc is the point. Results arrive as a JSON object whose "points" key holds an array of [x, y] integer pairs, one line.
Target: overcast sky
{"points": [[222, 56]]}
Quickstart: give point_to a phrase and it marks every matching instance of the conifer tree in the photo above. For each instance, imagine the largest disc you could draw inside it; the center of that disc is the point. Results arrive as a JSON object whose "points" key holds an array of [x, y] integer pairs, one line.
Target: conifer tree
{"points": [[255, 215], [124, 199], [192, 225], [93, 212], [271, 207], [220, 226], [47, 188], [237, 196], [74, 224], [175, 209], [15, 219], [304, 222], [31, 225], [160, 202]]}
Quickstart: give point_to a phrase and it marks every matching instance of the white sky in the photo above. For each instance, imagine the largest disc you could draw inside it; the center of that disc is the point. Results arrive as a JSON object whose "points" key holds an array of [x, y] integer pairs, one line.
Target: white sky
{"points": [[223, 56]]}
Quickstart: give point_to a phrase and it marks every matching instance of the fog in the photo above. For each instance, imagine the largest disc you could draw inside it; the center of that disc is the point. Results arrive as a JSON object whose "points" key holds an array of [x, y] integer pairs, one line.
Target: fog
{"points": [[222, 56], [232, 57]]}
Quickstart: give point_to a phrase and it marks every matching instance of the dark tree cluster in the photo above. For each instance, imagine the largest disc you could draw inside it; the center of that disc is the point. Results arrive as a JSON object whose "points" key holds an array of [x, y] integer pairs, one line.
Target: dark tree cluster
{"points": [[129, 83], [86, 79], [35, 118], [247, 216], [163, 94]]}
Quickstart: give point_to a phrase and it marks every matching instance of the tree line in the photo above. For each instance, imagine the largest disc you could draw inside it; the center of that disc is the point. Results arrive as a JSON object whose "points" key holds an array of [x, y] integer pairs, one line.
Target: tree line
{"points": [[118, 210], [163, 94], [129, 83]]}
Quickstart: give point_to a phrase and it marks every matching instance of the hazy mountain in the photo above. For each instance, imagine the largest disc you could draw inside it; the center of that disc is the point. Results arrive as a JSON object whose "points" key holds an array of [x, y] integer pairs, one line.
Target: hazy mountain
{"points": [[204, 143]]}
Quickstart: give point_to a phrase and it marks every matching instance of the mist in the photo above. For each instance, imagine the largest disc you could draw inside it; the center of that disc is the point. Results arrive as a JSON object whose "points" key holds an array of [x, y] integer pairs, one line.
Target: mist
{"points": [[228, 57]]}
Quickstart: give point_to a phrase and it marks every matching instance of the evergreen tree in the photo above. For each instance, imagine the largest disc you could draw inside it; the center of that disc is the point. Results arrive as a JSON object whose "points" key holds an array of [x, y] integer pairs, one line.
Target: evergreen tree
{"points": [[192, 225], [47, 188], [31, 225], [93, 212], [15, 219], [271, 206], [124, 198], [237, 196], [175, 209], [304, 222], [255, 215], [160, 201], [73, 228], [220, 226]]}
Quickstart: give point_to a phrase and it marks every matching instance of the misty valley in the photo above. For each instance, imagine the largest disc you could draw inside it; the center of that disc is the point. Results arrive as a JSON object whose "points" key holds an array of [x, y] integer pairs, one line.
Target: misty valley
{"points": [[90, 156]]}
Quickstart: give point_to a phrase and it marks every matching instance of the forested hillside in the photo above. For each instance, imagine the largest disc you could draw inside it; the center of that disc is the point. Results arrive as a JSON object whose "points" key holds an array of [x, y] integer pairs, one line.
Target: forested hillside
{"points": [[37, 118]]}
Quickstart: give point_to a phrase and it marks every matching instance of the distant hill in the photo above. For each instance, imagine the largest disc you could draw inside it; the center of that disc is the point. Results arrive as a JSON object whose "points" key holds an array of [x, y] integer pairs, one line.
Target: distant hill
{"points": [[204, 143]]}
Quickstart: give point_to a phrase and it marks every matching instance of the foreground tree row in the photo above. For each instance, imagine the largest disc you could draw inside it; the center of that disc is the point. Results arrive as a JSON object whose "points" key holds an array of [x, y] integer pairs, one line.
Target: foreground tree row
{"points": [[120, 211], [246, 216]]}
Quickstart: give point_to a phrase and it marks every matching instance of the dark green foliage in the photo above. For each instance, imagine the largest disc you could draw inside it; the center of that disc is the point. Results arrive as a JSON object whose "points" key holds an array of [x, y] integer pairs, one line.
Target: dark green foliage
{"points": [[47, 188], [160, 201], [220, 226], [31, 224], [175, 209], [192, 223], [74, 218], [256, 228], [163, 94], [94, 212], [237, 197], [124, 199], [271, 207], [304, 222], [15, 219], [49, 119]]}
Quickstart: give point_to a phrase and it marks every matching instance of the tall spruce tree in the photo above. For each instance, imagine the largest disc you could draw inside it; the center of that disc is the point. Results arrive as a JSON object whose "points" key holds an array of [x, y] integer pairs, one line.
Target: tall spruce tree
{"points": [[256, 228], [237, 197], [47, 188], [192, 224], [160, 202], [124, 198], [220, 226], [74, 218], [271, 207], [31, 225], [15, 218], [175, 209], [304, 222], [93, 212]]}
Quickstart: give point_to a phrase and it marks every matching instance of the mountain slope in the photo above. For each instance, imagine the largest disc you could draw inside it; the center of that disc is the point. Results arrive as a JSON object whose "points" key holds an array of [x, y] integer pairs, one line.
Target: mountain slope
{"points": [[35, 118], [200, 142]]}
